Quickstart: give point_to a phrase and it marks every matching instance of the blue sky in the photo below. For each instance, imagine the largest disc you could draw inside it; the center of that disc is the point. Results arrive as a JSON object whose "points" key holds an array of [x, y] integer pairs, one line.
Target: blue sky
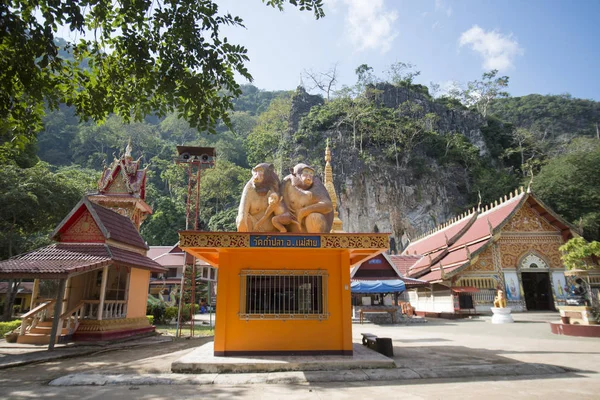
{"points": [[545, 47]]}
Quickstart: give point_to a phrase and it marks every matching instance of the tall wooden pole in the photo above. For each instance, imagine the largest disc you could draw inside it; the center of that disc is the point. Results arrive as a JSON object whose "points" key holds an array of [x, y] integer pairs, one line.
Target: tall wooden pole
{"points": [[57, 313]]}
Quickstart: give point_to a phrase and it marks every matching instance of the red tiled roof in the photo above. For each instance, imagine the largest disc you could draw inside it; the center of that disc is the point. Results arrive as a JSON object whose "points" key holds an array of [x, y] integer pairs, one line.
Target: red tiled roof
{"points": [[404, 263], [155, 251], [439, 238], [494, 218], [170, 260], [119, 227], [112, 225], [459, 256], [136, 260], [436, 275], [411, 283], [425, 262], [63, 259]]}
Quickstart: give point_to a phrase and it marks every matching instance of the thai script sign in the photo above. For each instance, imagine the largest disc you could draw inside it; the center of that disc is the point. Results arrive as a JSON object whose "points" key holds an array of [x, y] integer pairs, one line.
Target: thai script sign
{"points": [[284, 241]]}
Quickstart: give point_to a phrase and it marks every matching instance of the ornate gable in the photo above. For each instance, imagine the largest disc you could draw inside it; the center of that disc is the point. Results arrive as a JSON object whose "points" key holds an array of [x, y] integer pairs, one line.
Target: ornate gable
{"points": [[124, 176], [83, 230], [527, 220], [484, 263]]}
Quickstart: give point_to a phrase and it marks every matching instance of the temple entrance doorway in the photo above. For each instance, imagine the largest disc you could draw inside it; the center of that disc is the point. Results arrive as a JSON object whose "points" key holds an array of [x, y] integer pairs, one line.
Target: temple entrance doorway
{"points": [[536, 287]]}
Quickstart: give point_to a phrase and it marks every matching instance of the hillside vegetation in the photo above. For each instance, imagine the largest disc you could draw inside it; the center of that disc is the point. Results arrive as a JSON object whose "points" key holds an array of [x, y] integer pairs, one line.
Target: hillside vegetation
{"points": [[428, 158]]}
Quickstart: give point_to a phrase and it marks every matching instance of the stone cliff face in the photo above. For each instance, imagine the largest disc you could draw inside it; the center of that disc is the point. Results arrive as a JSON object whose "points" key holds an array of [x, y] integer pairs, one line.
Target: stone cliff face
{"points": [[376, 195], [449, 120]]}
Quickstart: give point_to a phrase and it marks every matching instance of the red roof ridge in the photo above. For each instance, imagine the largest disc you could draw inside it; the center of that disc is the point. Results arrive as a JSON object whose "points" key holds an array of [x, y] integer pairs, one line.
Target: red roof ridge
{"points": [[478, 211]]}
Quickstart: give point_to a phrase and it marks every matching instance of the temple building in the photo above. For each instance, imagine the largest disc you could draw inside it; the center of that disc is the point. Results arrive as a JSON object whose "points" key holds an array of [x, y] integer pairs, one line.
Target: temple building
{"points": [[122, 188], [92, 284], [511, 244]]}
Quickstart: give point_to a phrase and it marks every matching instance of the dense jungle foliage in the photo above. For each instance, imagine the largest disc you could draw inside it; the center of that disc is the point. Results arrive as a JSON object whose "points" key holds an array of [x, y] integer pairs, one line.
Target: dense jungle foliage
{"points": [[556, 137]]}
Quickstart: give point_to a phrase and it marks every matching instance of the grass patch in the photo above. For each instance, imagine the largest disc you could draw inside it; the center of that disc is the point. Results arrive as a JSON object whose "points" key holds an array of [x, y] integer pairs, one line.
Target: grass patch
{"points": [[199, 330]]}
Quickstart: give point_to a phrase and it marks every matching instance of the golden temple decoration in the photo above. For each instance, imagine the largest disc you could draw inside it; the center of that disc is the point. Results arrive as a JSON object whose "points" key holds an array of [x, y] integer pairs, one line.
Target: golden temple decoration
{"points": [[92, 325], [253, 240], [84, 229], [328, 182], [527, 220]]}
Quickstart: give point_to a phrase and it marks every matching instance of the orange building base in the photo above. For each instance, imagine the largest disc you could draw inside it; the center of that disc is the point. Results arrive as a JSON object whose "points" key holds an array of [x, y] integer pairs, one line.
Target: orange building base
{"points": [[315, 271]]}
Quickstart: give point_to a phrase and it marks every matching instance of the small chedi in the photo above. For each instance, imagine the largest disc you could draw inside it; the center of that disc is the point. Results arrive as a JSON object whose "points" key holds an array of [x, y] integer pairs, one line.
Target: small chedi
{"points": [[299, 204]]}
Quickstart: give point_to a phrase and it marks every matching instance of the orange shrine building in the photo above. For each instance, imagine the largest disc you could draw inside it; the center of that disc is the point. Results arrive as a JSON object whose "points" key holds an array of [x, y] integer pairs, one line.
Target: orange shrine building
{"points": [[511, 244], [283, 293]]}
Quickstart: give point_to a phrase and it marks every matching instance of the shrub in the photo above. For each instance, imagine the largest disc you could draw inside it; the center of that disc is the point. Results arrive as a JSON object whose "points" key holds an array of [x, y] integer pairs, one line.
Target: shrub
{"points": [[9, 326], [185, 313], [158, 311], [150, 319], [170, 314]]}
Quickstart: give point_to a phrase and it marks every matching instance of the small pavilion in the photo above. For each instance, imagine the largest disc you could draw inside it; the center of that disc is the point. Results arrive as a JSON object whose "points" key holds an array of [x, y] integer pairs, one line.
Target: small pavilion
{"points": [[92, 284]]}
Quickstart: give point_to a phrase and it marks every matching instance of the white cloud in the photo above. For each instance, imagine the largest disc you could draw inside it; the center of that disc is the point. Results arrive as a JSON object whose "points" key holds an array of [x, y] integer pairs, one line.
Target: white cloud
{"points": [[441, 6], [498, 50], [370, 25]]}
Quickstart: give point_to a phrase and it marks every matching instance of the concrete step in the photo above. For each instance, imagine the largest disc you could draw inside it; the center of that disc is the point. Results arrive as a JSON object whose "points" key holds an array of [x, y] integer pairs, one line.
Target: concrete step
{"points": [[34, 338], [46, 330]]}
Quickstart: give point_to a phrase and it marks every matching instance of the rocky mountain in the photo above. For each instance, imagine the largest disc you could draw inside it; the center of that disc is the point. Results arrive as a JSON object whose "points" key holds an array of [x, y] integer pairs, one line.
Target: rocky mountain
{"points": [[375, 194]]}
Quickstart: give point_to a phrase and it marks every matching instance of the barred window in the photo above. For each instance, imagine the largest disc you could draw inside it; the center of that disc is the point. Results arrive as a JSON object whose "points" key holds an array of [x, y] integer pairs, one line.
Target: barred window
{"points": [[283, 294]]}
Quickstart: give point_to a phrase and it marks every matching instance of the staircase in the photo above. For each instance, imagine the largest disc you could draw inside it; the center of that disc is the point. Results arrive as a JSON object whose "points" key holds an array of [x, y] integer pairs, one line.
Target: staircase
{"points": [[36, 327], [40, 334]]}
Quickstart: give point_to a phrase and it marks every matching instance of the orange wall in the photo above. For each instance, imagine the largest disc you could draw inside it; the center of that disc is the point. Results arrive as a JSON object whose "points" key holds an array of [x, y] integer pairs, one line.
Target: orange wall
{"points": [[138, 293], [235, 334]]}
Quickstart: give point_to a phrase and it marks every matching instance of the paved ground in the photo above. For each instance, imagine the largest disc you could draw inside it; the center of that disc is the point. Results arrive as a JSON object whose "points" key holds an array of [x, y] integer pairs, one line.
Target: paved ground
{"points": [[438, 345]]}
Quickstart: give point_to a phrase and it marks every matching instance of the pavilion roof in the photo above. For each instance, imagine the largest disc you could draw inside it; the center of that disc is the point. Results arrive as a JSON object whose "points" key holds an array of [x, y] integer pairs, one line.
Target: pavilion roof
{"points": [[404, 262], [112, 224], [61, 260]]}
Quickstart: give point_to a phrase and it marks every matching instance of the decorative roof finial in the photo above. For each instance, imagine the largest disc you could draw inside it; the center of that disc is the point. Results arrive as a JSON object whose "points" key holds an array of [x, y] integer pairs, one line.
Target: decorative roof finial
{"points": [[128, 149], [328, 182], [479, 203]]}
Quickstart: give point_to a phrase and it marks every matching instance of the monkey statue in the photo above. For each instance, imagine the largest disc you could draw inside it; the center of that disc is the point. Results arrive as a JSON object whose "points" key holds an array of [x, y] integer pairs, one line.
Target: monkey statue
{"points": [[255, 200], [307, 200], [281, 215]]}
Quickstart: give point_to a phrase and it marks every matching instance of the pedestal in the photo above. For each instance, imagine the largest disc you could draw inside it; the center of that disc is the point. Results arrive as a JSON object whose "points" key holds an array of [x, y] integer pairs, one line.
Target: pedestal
{"points": [[577, 315], [502, 316]]}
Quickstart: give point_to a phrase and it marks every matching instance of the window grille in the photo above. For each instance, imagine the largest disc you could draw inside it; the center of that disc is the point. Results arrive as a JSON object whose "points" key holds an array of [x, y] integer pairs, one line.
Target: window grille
{"points": [[283, 294]]}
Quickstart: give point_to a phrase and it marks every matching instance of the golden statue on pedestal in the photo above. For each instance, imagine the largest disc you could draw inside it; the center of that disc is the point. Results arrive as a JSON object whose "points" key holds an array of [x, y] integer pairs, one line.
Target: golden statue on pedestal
{"points": [[500, 300]]}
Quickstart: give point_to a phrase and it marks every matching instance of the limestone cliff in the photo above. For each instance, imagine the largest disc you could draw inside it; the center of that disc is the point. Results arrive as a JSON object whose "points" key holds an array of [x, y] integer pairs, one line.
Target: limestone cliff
{"points": [[376, 195]]}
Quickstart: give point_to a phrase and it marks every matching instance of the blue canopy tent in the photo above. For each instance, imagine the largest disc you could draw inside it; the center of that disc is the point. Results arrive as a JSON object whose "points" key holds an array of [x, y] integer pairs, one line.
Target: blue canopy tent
{"points": [[378, 287]]}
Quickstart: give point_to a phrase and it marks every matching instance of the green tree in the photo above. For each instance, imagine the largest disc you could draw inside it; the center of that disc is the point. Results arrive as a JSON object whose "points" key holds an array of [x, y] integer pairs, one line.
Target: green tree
{"points": [[480, 94], [132, 59], [264, 142], [402, 74], [577, 253], [570, 184], [33, 201], [162, 226]]}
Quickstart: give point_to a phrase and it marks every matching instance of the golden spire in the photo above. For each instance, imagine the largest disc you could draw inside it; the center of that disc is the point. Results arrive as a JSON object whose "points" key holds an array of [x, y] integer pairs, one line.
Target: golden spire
{"points": [[337, 223]]}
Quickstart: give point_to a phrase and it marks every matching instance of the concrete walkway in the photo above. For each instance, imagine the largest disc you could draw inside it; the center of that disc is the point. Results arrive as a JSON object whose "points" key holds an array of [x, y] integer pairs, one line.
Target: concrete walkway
{"points": [[449, 359]]}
